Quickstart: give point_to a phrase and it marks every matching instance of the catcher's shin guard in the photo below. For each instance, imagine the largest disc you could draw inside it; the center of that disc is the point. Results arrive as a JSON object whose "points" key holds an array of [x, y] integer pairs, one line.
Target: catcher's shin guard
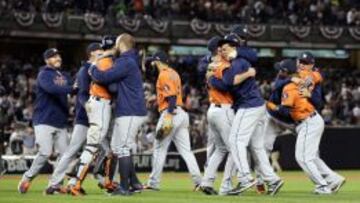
{"points": [[110, 167], [86, 158], [99, 166]]}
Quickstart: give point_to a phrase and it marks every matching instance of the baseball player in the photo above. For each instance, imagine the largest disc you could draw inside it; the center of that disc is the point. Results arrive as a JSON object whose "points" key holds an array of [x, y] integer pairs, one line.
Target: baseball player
{"points": [[105, 162], [248, 122], [78, 137], [130, 109], [312, 79], [98, 109], [220, 116], [173, 123], [249, 54], [50, 114], [309, 129]]}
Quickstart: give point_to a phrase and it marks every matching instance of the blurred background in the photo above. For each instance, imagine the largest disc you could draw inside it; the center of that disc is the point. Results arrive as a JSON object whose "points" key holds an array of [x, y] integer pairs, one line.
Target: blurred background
{"points": [[278, 29]]}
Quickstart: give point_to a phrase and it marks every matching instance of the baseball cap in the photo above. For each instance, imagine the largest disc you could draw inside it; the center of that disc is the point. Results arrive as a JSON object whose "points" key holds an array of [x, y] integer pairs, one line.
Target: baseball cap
{"points": [[158, 56], [93, 47], [213, 43], [306, 58], [108, 41], [231, 39], [287, 65], [241, 31], [50, 53]]}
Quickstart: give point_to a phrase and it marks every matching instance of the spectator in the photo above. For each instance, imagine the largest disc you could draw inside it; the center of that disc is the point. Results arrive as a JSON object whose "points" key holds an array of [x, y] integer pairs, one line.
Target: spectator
{"points": [[29, 147], [327, 114]]}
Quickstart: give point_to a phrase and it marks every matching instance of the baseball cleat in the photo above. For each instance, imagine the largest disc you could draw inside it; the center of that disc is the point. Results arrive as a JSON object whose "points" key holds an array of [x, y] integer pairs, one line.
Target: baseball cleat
{"points": [[149, 187], [53, 190], [225, 192], [242, 187], [274, 188], [260, 188], [136, 188], [323, 190], [335, 186], [196, 187], [24, 186], [119, 191], [208, 190], [75, 191], [109, 187]]}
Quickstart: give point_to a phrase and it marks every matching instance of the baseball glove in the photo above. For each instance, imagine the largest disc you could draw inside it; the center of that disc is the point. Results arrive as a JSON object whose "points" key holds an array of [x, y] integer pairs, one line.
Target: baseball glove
{"points": [[166, 127]]}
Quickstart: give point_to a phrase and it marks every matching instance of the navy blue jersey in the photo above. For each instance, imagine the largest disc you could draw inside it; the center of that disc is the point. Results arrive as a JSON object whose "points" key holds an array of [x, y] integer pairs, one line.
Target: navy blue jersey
{"points": [[83, 79], [247, 94], [130, 99], [51, 104]]}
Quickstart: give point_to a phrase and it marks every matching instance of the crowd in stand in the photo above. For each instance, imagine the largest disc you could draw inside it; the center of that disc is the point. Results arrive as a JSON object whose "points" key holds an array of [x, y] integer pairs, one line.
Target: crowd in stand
{"points": [[298, 12], [341, 94]]}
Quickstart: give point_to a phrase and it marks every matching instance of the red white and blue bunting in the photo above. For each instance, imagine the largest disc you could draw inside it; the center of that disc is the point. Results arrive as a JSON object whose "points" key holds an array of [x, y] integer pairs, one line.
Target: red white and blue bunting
{"points": [[24, 19], [331, 32], [53, 20], [93, 21], [223, 29], [256, 30], [131, 25], [200, 27], [300, 31], [355, 32], [157, 25]]}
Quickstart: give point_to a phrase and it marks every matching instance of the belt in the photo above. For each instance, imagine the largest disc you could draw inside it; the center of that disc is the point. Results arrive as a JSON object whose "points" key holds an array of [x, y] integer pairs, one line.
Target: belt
{"points": [[310, 116], [100, 98], [221, 105], [176, 107]]}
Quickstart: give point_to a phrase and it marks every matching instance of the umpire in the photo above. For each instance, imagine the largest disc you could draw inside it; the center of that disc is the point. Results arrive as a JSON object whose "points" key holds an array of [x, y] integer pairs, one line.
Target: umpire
{"points": [[130, 108]]}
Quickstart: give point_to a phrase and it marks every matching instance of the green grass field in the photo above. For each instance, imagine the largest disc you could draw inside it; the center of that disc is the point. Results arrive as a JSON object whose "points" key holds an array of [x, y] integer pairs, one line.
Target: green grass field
{"points": [[177, 188]]}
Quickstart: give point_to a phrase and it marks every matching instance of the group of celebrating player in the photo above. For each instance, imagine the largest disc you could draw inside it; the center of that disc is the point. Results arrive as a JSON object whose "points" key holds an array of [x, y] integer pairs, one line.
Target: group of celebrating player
{"points": [[239, 119]]}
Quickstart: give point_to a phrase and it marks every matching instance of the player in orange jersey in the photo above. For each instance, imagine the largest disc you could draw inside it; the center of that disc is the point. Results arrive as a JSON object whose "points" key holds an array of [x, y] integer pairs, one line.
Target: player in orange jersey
{"points": [[173, 124], [309, 129], [98, 109]]}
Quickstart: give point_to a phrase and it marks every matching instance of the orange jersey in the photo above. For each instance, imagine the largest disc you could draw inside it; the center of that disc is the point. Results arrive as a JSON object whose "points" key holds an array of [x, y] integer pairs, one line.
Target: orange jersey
{"points": [[301, 108], [217, 96], [168, 84], [311, 78], [103, 64]]}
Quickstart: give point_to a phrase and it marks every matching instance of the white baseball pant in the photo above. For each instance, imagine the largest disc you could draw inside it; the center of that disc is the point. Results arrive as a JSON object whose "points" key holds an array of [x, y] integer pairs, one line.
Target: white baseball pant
{"points": [[309, 133], [181, 138], [77, 141], [124, 134], [247, 130], [219, 120], [99, 114], [47, 138]]}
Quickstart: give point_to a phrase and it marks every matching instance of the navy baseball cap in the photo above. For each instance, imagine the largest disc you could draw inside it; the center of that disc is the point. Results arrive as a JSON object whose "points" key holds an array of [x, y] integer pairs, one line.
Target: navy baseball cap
{"points": [[158, 56], [213, 44], [93, 47], [241, 31], [108, 42], [306, 58], [50, 53], [231, 39], [287, 65]]}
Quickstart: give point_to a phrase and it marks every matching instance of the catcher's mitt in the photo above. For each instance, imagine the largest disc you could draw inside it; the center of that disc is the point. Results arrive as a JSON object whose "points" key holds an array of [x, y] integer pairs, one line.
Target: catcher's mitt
{"points": [[166, 127]]}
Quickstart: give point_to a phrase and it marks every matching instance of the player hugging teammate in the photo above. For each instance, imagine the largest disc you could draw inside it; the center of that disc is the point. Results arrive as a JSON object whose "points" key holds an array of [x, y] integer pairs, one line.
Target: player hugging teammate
{"points": [[240, 121]]}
